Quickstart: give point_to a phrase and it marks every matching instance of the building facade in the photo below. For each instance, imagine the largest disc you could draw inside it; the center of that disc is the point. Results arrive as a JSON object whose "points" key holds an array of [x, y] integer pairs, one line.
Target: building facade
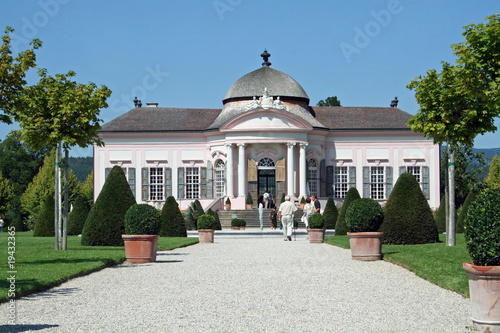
{"points": [[265, 138]]}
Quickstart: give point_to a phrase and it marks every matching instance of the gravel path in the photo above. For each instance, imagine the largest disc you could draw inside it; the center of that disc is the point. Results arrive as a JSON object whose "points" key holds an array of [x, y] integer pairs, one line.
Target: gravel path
{"points": [[246, 285]]}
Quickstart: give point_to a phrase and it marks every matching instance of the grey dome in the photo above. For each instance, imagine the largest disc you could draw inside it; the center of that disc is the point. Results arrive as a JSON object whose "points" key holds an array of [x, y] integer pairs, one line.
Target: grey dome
{"points": [[254, 83]]}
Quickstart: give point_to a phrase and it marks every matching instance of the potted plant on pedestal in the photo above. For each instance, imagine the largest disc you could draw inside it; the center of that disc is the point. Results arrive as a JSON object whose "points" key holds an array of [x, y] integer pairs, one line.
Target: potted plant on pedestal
{"points": [[206, 228], [249, 201], [363, 219], [142, 225], [235, 224], [316, 229], [243, 224], [481, 231], [228, 204]]}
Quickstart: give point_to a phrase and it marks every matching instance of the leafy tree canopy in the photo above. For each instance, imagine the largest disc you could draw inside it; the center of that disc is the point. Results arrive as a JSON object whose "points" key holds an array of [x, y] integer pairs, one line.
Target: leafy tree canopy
{"points": [[6, 195], [12, 74], [329, 101], [493, 178]]}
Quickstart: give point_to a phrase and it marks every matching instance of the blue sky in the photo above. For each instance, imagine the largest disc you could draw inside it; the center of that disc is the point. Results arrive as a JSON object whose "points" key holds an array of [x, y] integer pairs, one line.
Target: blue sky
{"points": [[188, 53]]}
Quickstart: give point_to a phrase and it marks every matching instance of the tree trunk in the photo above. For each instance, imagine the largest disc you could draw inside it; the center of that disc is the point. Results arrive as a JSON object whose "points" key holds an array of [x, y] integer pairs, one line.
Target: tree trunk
{"points": [[66, 203], [451, 228]]}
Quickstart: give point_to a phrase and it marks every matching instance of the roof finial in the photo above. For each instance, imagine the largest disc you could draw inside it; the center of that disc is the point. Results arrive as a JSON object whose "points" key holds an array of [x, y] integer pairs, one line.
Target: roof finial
{"points": [[394, 103], [265, 55]]}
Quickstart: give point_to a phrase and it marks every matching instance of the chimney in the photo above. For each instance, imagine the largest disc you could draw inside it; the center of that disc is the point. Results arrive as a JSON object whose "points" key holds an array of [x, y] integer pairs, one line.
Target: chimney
{"points": [[152, 105]]}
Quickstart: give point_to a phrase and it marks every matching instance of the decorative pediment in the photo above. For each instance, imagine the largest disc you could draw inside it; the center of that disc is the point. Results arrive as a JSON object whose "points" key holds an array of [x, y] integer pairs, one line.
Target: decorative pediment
{"points": [[272, 119]]}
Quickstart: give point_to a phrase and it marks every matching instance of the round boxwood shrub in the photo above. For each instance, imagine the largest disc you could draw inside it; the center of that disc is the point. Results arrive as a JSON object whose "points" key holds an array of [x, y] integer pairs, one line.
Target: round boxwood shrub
{"points": [[206, 221], [44, 226], [142, 219], [364, 215], [172, 222], [105, 224], [330, 214], [236, 222], [408, 219], [77, 217], [341, 226], [482, 227], [316, 221]]}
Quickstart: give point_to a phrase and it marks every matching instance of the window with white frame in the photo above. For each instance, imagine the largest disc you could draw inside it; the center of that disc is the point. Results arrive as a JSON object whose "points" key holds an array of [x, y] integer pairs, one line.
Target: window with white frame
{"points": [[312, 176], [192, 183], [340, 181], [377, 182], [220, 177], [414, 170], [156, 184]]}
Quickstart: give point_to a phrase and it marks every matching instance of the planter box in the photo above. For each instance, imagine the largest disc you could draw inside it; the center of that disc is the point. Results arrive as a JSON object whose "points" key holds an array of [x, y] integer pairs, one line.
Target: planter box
{"points": [[366, 246], [206, 235], [484, 288], [316, 235], [140, 248]]}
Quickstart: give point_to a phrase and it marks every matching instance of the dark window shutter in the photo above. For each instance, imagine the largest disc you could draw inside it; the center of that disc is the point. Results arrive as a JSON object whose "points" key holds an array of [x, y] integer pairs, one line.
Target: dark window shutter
{"points": [[131, 180], [168, 182], [210, 180], [388, 181], [106, 173], [352, 176], [425, 182], [203, 183], [180, 183], [366, 182], [402, 169], [145, 184], [322, 178], [329, 181]]}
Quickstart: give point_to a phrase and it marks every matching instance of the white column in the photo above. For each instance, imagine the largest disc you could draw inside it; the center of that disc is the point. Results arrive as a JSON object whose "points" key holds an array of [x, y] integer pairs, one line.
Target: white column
{"points": [[229, 170], [302, 170], [289, 168], [241, 170]]}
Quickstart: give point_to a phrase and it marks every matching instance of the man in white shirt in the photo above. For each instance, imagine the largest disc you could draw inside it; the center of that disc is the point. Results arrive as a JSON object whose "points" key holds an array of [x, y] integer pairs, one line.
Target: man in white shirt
{"points": [[286, 211]]}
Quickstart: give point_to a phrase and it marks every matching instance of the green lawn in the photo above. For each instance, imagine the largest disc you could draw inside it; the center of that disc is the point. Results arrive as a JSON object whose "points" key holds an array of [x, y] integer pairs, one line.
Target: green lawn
{"points": [[437, 263], [40, 267]]}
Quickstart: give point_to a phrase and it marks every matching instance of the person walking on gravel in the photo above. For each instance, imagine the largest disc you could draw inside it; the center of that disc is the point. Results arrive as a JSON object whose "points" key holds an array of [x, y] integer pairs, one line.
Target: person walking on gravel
{"points": [[286, 211]]}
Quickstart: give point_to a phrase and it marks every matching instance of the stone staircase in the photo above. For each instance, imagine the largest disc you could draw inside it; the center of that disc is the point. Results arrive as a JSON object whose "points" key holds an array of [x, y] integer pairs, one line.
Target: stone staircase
{"points": [[251, 216]]}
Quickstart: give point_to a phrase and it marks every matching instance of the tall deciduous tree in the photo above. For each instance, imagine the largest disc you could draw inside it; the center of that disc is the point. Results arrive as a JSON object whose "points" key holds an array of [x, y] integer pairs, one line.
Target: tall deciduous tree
{"points": [[6, 195], [462, 100], [329, 101], [12, 74]]}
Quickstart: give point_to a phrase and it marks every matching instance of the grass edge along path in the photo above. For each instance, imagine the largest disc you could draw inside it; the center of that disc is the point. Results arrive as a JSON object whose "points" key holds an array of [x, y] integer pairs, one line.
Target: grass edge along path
{"points": [[436, 263], [38, 266]]}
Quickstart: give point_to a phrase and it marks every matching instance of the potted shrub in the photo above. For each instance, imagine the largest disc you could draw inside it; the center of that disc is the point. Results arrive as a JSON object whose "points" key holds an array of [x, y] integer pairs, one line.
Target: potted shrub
{"points": [[206, 228], [249, 201], [235, 224], [316, 229], [243, 224], [142, 226], [228, 204], [481, 230], [302, 202], [363, 219]]}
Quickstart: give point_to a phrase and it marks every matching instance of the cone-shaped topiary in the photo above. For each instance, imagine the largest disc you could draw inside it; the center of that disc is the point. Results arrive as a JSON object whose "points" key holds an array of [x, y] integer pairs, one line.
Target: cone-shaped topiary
{"points": [[249, 200], [364, 215], [77, 217], [440, 217], [216, 217], [407, 216], [330, 214], [471, 197], [482, 227], [44, 226], [188, 219], [105, 224], [172, 222], [142, 219], [340, 226]]}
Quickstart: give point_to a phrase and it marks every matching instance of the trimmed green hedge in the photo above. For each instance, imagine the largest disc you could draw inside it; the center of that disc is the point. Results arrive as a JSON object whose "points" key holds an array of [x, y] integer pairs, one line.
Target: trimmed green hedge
{"points": [[105, 224]]}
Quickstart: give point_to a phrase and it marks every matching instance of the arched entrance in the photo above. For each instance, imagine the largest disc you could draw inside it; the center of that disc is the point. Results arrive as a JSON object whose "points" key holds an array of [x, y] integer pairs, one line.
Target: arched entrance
{"points": [[266, 174]]}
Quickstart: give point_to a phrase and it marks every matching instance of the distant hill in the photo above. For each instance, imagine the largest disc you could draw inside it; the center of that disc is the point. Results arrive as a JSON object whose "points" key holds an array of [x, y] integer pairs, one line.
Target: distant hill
{"points": [[488, 152], [81, 166]]}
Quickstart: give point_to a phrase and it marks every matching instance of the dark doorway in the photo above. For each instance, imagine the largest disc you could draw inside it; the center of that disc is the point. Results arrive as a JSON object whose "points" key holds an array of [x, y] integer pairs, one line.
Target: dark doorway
{"points": [[267, 181]]}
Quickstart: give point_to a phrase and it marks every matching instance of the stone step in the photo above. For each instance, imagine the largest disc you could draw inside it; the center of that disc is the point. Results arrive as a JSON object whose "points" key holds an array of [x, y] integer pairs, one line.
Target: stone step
{"points": [[251, 216]]}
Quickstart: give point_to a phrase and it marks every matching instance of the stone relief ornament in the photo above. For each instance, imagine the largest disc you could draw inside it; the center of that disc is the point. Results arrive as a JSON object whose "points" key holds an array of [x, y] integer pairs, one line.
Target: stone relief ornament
{"points": [[265, 102]]}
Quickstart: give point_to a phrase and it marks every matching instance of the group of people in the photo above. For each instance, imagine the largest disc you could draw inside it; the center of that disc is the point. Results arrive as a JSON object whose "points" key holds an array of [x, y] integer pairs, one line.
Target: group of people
{"points": [[287, 211]]}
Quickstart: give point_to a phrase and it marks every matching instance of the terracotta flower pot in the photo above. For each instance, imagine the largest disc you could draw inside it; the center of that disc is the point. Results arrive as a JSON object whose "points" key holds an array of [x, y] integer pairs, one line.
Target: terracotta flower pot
{"points": [[206, 235], [316, 235], [484, 288], [140, 248], [242, 227], [228, 206], [235, 228], [366, 246], [249, 206]]}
